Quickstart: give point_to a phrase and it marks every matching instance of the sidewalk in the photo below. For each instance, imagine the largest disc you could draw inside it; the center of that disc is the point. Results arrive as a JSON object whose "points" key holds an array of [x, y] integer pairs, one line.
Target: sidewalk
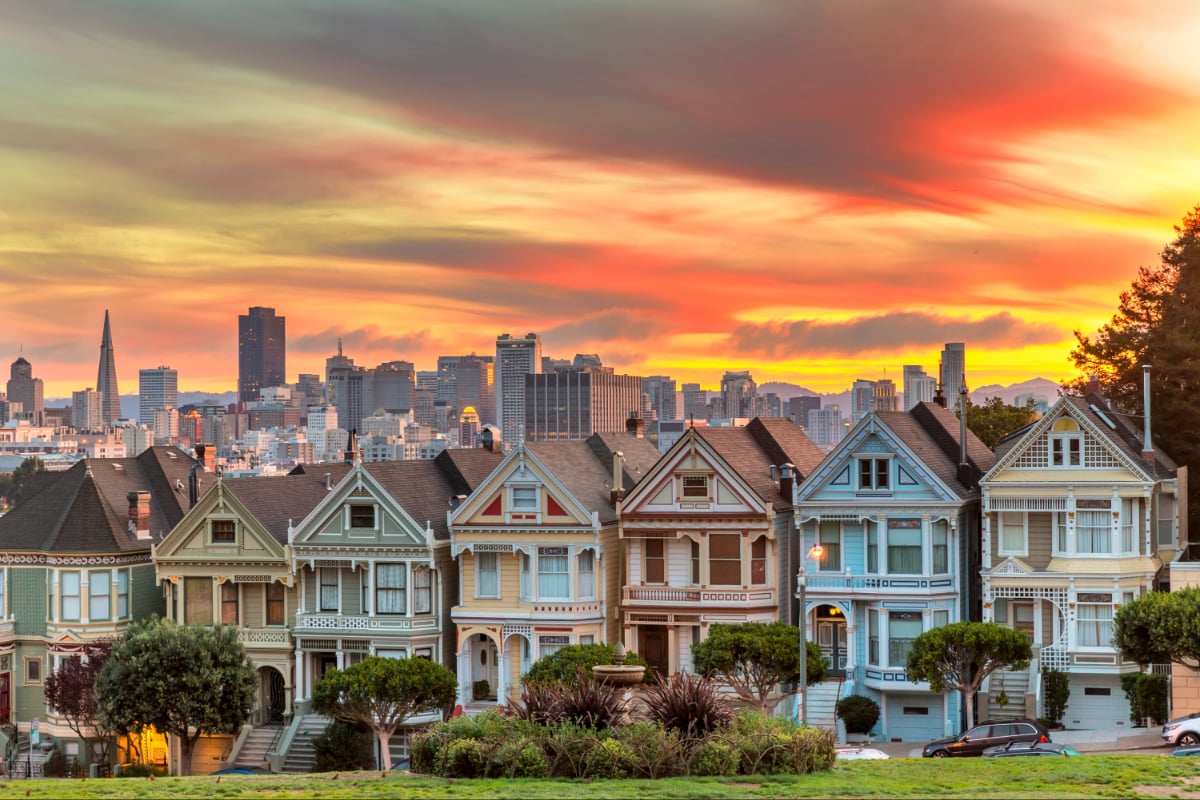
{"points": [[1114, 740]]}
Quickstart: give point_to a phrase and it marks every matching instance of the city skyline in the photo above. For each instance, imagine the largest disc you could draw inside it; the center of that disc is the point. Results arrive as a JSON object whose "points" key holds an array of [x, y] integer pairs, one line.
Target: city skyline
{"points": [[816, 192]]}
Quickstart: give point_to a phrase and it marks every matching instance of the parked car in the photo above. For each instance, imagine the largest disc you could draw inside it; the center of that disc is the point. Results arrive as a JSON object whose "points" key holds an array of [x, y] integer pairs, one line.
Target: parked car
{"points": [[860, 753], [1030, 749], [987, 734], [1182, 731]]}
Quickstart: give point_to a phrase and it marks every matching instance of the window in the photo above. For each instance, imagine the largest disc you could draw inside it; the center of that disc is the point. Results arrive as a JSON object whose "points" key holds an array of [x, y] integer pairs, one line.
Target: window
{"points": [[725, 559], [873, 474], [587, 573], [362, 516], [549, 645], [1093, 531], [589, 639], [655, 561], [872, 547], [758, 561], [229, 603], [391, 586], [526, 578], [1060, 531], [198, 601], [33, 670], [941, 548], [830, 537], [122, 594], [1066, 451], [423, 652], [524, 498], [1128, 526], [70, 596], [487, 575], [903, 628], [553, 580], [941, 618], [224, 531], [904, 551], [872, 637], [275, 603], [1097, 691], [921, 711], [1094, 624], [695, 563], [328, 600], [695, 486], [1012, 533], [99, 595], [422, 590]]}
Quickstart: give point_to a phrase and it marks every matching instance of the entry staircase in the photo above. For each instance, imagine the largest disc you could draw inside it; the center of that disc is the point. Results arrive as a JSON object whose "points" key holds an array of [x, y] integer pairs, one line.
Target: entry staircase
{"points": [[300, 755], [19, 762], [260, 741], [822, 702], [1012, 686]]}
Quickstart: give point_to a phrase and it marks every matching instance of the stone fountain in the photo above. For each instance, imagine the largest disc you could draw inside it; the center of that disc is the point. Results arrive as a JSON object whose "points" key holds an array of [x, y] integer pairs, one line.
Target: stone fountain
{"points": [[618, 673]]}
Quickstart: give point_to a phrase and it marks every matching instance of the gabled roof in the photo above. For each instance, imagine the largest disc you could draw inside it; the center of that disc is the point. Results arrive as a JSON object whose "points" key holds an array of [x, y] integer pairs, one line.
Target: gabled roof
{"points": [[932, 433], [426, 490], [86, 508], [753, 450], [278, 502], [585, 467]]}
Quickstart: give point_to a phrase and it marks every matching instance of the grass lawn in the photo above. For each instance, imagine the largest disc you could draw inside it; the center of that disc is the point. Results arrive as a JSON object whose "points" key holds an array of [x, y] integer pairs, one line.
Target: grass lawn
{"points": [[1084, 777]]}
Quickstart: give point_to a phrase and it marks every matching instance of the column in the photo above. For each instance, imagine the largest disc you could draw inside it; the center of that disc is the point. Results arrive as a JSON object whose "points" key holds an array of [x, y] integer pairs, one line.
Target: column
{"points": [[1115, 522], [463, 657], [986, 531], [673, 648], [301, 677], [341, 656], [370, 609], [501, 672], [851, 655], [85, 596], [1072, 534]]}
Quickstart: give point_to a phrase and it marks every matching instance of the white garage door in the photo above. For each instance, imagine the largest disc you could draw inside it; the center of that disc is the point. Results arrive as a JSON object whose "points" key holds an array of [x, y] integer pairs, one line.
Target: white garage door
{"points": [[1096, 703], [914, 717]]}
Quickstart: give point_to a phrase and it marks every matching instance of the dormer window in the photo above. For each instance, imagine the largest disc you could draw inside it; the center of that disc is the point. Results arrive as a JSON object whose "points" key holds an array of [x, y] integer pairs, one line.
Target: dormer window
{"points": [[524, 498], [873, 474], [362, 516], [695, 487], [1066, 444], [224, 531]]}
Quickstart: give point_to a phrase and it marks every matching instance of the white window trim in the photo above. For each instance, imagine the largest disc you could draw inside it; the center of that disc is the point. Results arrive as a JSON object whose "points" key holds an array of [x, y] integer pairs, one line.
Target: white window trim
{"points": [[1094, 648], [1024, 551], [1064, 438], [512, 499], [822, 562], [479, 572], [375, 515], [871, 459]]}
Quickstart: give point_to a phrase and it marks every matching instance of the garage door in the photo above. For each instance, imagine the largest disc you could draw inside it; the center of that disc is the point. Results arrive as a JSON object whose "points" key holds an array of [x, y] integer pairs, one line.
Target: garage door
{"points": [[1096, 703], [914, 717]]}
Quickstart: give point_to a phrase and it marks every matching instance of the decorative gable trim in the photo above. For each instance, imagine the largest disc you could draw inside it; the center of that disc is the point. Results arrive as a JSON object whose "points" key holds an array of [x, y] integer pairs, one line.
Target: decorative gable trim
{"points": [[1012, 566], [692, 454]]}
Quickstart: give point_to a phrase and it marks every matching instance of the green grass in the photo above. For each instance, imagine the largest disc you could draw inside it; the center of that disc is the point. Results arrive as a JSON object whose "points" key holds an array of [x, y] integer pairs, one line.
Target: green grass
{"points": [[1084, 777]]}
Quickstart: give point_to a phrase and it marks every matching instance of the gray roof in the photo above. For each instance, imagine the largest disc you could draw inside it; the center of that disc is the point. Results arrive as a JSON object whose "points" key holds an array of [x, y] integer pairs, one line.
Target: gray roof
{"points": [[931, 432], [585, 467], [278, 502], [762, 444], [1126, 435]]}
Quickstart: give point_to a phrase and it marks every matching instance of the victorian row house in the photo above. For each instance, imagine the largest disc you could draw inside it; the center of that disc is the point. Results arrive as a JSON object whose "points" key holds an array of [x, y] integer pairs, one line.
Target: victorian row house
{"points": [[895, 510], [75, 567], [1080, 516]]}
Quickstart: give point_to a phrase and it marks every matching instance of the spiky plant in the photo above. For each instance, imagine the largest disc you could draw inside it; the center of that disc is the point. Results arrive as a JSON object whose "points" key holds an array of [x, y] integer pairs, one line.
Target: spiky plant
{"points": [[594, 704], [540, 703], [687, 703]]}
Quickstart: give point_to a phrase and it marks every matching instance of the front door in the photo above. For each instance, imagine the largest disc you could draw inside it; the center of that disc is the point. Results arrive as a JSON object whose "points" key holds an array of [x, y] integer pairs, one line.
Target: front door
{"points": [[483, 659], [653, 648], [273, 697], [831, 636], [1022, 618]]}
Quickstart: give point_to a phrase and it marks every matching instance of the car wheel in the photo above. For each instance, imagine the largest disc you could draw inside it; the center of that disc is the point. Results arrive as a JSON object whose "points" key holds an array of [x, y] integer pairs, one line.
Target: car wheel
{"points": [[940, 754], [1187, 739]]}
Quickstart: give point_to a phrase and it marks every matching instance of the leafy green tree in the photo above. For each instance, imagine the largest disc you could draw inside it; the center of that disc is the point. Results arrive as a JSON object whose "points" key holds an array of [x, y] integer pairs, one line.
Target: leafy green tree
{"points": [[995, 419], [962, 655], [1160, 627], [381, 693], [1157, 323], [186, 681], [17, 486], [755, 657], [70, 691], [562, 665]]}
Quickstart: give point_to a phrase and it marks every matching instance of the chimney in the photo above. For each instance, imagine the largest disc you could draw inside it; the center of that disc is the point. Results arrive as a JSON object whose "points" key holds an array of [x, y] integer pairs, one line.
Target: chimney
{"points": [[487, 440], [966, 474], [1147, 442], [352, 447], [206, 454], [618, 490], [194, 484], [328, 481], [1093, 385], [635, 426], [787, 480], [139, 514], [939, 397]]}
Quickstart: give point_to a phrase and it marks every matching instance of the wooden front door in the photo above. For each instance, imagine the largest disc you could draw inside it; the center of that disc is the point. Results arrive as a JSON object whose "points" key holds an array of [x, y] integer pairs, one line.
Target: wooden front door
{"points": [[654, 647]]}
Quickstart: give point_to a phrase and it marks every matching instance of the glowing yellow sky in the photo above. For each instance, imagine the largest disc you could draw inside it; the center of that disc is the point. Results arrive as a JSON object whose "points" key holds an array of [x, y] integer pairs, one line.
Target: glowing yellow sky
{"points": [[817, 191]]}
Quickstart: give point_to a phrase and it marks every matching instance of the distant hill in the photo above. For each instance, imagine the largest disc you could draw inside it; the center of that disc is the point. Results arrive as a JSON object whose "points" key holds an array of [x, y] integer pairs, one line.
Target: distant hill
{"points": [[786, 391], [1036, 386]]}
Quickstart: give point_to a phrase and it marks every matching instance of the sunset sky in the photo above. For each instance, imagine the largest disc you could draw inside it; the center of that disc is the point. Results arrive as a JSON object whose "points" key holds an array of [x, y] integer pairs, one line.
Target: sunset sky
{"points": [[816, 190]]}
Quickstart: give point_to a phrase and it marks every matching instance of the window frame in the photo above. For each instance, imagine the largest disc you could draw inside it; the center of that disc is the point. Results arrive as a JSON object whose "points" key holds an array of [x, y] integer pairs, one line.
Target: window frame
{"points": [[587, 587], [548, 579], [939, 552], [1095, 533], [279, 602], [494, 570], [324, 585], [355, 513], [37, 664], [874, 474], [758, 562], [831, 561], [199, 583], [105, 598], [1065, 450], [225, 537], [124, 610], [1101, 623], [660, 560], [422, 590], [229, 601], [523, 498], [700, 487], [63, 596], [395, 590], [891, 639], [724, 561], [1000, 526], [898, 551]]}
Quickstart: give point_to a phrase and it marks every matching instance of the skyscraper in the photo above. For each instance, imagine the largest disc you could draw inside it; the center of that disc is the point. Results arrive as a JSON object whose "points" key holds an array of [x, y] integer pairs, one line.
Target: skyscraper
{"points": [[862, 399], [661, 391], [575, 403], [85, 410], [885, 395], [918, 387], [953, 372], [262, 352], [515, 358], [26, 390], [473, 387], [157, 388], [695, 402], [106, 378], [739, 393]]}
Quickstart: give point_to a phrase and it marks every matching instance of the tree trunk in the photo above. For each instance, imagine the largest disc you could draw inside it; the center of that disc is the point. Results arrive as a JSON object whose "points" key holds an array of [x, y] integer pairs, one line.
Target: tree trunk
{"points": [[385, 750], [969, 699], [186, 745]]}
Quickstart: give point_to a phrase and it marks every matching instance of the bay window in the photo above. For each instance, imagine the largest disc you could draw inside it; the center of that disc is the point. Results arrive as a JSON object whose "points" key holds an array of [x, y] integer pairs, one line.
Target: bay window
{"points": [[1093, 624], [99, 595], [758, 561], [587, 573], [872, 636], [122, 594], [422, 578], [904, 550], [829, 535], [487, 575], [941, 548], [1093, 531], [553, 579], [391, 588], [725, 559], [70, 588], [1128, 525], [903, 628]]}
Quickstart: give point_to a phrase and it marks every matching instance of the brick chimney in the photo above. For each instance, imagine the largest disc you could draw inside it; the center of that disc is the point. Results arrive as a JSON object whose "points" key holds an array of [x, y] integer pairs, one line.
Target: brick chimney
{"points": [[206, 454], [618, 490], [635, 426], [139, 514], [1092, 386], [787, 478]]}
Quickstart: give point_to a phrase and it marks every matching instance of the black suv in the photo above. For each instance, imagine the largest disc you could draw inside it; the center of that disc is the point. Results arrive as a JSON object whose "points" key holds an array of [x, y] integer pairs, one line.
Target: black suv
{"points": [[985, 735]]}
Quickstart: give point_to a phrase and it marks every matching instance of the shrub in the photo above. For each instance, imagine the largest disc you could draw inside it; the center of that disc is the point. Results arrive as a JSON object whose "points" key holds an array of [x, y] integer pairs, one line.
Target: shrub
{"points": [[141, 771], [586, 702], [539, 704], [658, 752], [521, 757], [610, 759], [462, 758], [481, 690], [858, 712], [342, 746], [1056, 691], [55, 764], [562, 665], [715, 758], [568, 748], [428, 748], [774, 745], [689, 704], [1147, 694]]}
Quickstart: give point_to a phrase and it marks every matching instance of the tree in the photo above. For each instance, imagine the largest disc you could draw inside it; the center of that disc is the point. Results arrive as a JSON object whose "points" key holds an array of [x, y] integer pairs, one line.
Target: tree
{"points": [[755, 657], [186, 681], [995, 419], [382, 693], [1157, 323], [19, 485], [562, 665], [962, 655], [1160, 627], [70, 691]]}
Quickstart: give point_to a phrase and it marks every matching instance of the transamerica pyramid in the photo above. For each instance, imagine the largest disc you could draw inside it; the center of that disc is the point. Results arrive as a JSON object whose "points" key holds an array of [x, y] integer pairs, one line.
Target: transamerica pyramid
{"points": [[106, 378]]}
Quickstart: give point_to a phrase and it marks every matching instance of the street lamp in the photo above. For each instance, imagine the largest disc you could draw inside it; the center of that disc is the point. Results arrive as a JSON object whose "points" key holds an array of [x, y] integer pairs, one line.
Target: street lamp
{"points": [[817, 552]]}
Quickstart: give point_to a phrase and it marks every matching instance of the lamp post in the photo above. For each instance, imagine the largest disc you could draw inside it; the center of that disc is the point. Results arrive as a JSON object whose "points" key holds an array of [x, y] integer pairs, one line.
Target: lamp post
{"points": [[817, 552]]}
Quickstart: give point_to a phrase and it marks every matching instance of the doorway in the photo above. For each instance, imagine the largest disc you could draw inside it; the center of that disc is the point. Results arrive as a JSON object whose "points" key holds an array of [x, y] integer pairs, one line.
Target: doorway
{"points": [[654, 648], [271, 700], [831, 636]]}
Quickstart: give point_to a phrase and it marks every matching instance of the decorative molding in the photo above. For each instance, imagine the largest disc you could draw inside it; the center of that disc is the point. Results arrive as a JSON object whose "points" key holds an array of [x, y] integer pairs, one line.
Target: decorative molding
{"points": [[75, 561]]}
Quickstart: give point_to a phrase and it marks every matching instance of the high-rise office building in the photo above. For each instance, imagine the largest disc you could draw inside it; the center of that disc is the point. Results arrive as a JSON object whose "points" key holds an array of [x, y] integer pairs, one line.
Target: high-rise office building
{"points": [[468, 427], [825, 426], [695, 402], [953, 372], [799, 406], [515, 358], [473, 386], [885, 395], [918, 386], [395, 382], [157, 388], [660, 392], [262, 352], [862, 399], [739, 394], [106, 378], [575, 403], [26, 390], [87, 410]]}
